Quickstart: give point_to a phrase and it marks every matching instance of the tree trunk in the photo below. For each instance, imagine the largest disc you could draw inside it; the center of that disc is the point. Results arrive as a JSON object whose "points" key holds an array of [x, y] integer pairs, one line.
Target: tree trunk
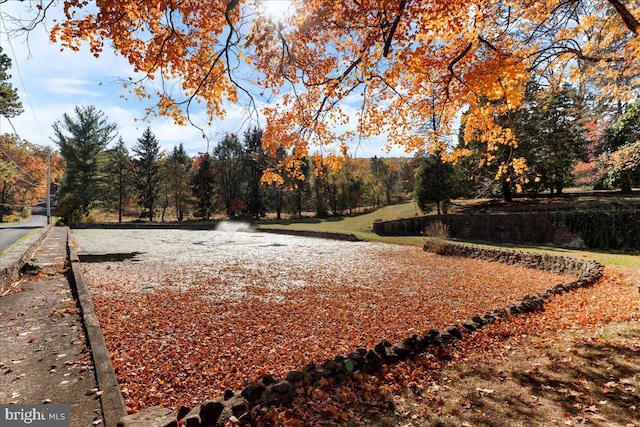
{"points": [[179, 212], [627, 17], [120, 202], [506, 192], [3, 196], [625, 183], [278, 204]]}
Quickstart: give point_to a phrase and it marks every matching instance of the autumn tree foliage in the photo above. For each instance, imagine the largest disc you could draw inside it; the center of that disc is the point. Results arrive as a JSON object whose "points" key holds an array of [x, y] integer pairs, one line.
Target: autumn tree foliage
{"points": [[255, 163], [621, 160], [395, 57], [228, 165], [434, 183], [178, 168], [549, 128], [23, 168]]}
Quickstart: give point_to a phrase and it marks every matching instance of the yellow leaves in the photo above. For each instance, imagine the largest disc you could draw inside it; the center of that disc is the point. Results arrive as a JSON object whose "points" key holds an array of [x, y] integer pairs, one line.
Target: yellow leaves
{"points": [[272, 177], [519, 165]]}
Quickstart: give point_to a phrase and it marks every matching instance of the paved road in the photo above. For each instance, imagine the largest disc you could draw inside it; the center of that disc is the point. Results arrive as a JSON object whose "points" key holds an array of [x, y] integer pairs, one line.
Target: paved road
{"points": [[10, 234]]}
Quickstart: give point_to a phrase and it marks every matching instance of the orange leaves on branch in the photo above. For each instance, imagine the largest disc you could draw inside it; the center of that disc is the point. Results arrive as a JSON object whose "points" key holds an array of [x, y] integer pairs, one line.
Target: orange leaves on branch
{"points": [[359, 69]]}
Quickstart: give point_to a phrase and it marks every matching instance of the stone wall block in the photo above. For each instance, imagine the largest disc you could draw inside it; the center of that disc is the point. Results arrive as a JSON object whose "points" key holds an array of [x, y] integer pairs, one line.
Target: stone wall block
{"points": [[431, 336], [478, 320], [296, 377], [469, 326], [445, 337], [192, 419], [374, 362], [210, 412], [155, 416], [489, 318], [454, 332], [253, 392], [239, 407], [280, 393]]}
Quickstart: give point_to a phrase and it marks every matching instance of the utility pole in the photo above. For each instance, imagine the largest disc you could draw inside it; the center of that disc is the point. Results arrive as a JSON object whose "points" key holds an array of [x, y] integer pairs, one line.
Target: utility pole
{"points": [[48, 185]]}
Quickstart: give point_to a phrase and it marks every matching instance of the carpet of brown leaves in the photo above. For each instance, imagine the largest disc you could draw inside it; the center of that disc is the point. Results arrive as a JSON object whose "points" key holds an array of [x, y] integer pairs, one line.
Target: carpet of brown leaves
{"points": [[180, 333], [434, 389]]}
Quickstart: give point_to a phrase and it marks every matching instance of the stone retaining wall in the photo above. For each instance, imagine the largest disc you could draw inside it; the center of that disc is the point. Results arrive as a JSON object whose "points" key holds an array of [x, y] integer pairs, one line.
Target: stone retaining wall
{"points": [[517, 227], [591, 228], [267, 390]]}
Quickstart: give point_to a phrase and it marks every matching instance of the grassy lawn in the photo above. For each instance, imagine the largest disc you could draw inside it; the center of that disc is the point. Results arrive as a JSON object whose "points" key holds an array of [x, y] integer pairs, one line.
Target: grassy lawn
{"points": [[361, 227]]}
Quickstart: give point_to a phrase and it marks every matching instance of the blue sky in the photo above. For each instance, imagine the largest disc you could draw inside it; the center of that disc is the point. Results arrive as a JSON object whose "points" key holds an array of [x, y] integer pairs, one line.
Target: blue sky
{"points": [[51, 83]]}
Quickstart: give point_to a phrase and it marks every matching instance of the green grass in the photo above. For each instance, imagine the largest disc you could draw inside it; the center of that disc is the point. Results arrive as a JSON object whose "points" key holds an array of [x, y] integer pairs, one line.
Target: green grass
{"points": [[607, 258], [361, 227]]}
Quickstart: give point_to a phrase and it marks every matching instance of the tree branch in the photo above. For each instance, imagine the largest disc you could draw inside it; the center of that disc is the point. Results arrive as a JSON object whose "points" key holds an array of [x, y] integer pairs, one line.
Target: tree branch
{"points": [[452, 73], [629, 20], [392, 30]]}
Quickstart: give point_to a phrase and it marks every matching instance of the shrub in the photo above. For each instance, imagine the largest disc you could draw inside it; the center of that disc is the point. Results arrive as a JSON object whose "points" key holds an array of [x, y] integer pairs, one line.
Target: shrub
{"points": [[437, 235]]}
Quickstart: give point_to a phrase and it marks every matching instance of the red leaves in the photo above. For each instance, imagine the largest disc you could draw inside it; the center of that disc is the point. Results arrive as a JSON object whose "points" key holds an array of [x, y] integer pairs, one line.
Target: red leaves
{"points": [[181, 343]]}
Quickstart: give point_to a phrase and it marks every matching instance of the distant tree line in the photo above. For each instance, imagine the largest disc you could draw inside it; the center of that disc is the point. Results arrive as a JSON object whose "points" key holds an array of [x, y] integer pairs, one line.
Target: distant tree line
{"points": [[564, 139], [145, 182], [557, 141]]}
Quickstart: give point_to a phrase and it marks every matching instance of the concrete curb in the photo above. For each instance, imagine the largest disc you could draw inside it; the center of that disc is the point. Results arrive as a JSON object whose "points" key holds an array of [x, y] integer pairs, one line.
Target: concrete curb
{"points": [[20, 254], [113, 407]]}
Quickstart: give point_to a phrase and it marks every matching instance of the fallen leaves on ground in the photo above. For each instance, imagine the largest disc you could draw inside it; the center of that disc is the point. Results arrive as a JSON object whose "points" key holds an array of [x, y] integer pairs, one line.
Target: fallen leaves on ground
{"points": [[179, 334], [576, 362]]}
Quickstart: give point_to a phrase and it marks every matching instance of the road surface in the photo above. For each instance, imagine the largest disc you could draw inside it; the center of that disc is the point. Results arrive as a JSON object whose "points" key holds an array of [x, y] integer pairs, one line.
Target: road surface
{"points": [[9, 234]]}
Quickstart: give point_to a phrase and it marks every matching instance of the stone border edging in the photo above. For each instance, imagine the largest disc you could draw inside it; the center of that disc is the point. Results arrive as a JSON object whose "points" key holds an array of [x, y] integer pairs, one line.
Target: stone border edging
{"points": [[111, 400], [270, 391], [15, 258]]}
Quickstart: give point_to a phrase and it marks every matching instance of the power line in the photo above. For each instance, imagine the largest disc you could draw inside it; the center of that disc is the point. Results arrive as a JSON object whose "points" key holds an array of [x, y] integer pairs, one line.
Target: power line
{"points": [[17, 66], [18, 176], [26, 143], [16, 164]]}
